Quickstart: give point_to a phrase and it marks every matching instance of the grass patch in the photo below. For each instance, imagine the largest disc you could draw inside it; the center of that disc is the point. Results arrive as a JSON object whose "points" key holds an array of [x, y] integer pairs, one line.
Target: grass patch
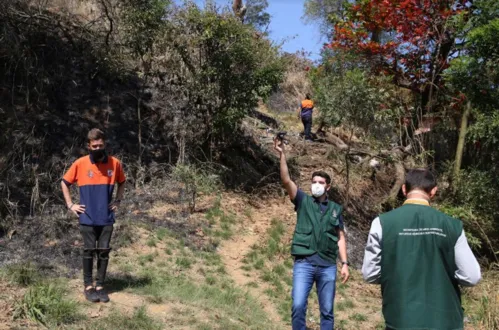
{"points": [[212, 258], [267, 276], [481, 303], [284, 308], [279, 270], [259, 264], [251, 257], [162, 233], [271, 293], [225, 221], [274, 246], [23, 274], [162, 264], [246, 268], [224, 234], [343, 286], [215, 211], [222, 299], [274, 279], [358, 317], [117, 320], [124, 235], [344, 305], [143, 259], [277, 229], [183, 262], [278, 276], [126, 268], [210, 280], [155, 299], [288, 280], [248, 213], [46, 303], [151, 242], [341, 323], [487, 312], [228, 218]]}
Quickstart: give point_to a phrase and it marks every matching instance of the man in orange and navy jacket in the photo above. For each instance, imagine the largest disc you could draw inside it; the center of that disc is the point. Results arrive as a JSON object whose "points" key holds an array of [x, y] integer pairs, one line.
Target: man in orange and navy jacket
{"points": [[306, 109], [96, 175]]}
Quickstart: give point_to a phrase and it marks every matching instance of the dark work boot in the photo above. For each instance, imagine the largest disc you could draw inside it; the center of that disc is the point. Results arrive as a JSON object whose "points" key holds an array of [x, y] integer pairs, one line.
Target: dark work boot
{"points": [[103, 296], [91, 295]]}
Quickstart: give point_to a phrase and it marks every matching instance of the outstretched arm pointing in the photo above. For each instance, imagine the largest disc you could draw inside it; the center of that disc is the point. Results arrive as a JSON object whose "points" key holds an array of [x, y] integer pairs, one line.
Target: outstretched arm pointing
{"points": [[286, 180]]}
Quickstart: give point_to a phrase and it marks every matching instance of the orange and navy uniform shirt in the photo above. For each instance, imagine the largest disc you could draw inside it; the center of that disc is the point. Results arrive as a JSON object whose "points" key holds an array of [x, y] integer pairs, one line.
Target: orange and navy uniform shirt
{"points": [[307, 107], [96, 183]]}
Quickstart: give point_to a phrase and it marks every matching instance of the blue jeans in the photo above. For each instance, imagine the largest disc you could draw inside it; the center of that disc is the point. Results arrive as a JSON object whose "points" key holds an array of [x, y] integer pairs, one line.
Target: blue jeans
{"points": [[307, 127], [304, 276]]}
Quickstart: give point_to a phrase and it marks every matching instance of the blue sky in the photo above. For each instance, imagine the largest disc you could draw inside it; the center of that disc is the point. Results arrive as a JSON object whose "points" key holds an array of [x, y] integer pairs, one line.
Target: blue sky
{"points": [[287, 26]]}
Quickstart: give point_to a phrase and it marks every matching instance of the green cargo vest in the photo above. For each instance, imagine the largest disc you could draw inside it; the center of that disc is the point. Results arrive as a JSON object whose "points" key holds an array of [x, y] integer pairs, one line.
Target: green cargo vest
{"points": [[316, 232], [417, 269]]}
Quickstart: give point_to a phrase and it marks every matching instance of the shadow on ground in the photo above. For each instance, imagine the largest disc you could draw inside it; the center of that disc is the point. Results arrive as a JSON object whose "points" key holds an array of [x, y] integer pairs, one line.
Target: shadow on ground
{"points": [[121, 282]]}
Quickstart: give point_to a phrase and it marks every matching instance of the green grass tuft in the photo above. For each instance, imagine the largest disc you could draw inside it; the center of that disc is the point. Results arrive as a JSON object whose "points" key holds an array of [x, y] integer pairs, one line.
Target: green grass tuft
{"points": [[139, 320], [23, 274], [162, 233], [151, 242], [358, 317], [47, 304], [184, 262]]}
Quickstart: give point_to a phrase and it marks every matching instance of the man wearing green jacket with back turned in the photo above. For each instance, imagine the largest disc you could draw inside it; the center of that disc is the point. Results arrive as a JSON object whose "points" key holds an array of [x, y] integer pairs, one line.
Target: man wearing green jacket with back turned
{"points": [[420, 256]]}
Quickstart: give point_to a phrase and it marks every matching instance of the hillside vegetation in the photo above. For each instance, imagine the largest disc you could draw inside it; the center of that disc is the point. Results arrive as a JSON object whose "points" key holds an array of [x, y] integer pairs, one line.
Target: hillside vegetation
{"points": [[190, 98]]}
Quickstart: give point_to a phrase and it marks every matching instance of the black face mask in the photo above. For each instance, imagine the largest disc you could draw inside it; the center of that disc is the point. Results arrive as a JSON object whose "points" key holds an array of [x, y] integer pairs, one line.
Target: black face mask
{"points": [[98, 155]]}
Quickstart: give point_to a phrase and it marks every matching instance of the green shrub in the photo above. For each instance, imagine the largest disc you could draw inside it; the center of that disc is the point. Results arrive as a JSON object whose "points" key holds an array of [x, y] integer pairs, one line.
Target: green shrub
{"points": [[47, 304], [23, 274]]}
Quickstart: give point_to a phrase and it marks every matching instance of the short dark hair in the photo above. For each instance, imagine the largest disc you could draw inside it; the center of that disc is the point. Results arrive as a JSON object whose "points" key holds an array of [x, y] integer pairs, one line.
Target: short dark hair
{"points": [[96, 134], [322, 174], [307, 96], [420, 178]]}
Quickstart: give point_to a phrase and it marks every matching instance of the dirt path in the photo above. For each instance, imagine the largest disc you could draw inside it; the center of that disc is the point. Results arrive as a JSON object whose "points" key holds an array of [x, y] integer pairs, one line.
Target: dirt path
{"points": [[234, 250]]}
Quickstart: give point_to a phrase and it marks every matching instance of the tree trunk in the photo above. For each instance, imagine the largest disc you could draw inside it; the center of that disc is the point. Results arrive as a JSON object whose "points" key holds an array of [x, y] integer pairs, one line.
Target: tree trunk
{"points": [[139, 133], [398, 155], [462, 139], [400, 179], [347, 163], [239, 9]]}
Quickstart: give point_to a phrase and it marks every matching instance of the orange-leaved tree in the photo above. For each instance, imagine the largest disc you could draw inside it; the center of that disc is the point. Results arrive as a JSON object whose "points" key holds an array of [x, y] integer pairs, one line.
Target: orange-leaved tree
{"points": [[411, 40]]}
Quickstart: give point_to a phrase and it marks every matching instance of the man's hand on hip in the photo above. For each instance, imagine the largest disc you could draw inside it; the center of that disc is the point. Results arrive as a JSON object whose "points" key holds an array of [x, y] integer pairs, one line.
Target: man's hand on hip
{"points": [[77, 209], [114, 205]]}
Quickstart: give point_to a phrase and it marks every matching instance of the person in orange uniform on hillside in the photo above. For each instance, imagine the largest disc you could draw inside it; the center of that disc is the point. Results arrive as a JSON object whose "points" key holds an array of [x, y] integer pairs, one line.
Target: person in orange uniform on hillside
{"points": [[306, 109], [96, 175]]}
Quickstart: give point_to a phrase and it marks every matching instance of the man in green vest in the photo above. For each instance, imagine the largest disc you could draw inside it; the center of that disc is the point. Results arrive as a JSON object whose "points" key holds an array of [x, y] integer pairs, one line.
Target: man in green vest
{"points": [[318, 238], [420, 256]]}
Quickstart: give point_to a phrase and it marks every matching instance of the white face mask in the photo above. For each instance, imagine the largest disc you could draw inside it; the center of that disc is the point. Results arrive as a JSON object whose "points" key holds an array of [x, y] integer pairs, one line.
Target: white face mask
{"points": [[318, 190]]}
